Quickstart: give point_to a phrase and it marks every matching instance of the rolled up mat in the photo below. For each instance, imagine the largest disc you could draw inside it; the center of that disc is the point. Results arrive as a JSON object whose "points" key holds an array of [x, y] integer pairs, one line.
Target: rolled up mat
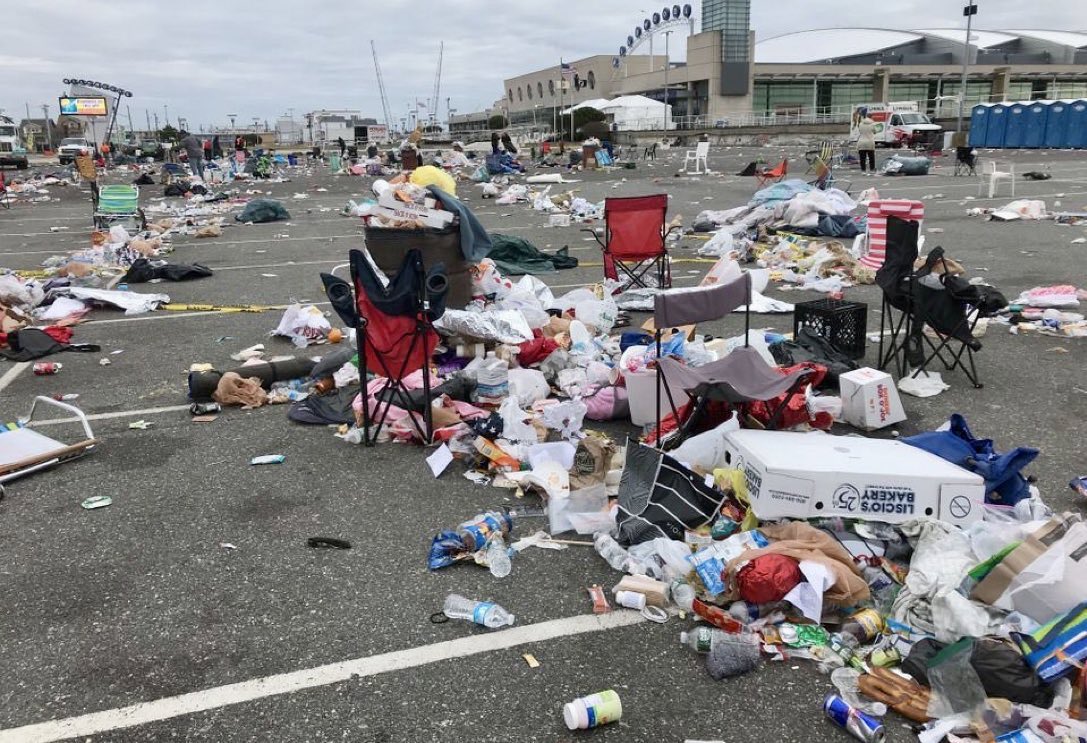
{"points": [[202, 384]]}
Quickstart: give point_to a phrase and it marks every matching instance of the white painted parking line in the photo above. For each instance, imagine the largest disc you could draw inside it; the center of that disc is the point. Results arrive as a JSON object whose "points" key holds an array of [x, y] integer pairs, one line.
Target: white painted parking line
{"points": [[12, 374], [111, 416], [311, 678]]}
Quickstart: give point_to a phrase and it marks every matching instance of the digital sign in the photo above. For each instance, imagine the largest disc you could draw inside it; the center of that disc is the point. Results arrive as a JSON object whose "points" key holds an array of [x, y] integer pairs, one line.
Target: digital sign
{"points": [[83, 106]]}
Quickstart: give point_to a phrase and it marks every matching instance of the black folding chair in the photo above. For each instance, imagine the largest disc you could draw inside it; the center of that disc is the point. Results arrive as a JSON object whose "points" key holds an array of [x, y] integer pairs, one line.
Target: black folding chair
{"points": [[951, 313], [739, 378], [395, 333], [966, 161]]}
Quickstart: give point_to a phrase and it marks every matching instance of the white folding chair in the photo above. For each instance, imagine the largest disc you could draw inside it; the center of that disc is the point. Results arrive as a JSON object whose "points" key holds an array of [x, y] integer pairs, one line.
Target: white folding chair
{"points": [[991, 174], [699, 156]]}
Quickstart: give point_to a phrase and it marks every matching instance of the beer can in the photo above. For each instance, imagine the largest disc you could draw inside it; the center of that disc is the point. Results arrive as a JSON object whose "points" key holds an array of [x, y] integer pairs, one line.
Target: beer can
{"points": [[885, 656], [861, 726], [204, 408], [45, 368]]}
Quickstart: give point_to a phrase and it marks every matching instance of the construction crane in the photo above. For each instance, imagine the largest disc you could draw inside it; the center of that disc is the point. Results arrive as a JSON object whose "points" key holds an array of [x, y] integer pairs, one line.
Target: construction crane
{"points": [[381, 89], [436, 100]]}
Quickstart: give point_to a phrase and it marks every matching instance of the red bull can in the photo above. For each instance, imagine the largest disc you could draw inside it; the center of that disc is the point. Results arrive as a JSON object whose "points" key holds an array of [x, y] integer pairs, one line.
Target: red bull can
{"points": [[861, 726], [45, 368]]}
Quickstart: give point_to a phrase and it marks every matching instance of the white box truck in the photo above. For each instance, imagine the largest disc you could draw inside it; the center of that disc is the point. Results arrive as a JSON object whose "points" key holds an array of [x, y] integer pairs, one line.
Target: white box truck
{"points": [[12, 151], [898, 124]]}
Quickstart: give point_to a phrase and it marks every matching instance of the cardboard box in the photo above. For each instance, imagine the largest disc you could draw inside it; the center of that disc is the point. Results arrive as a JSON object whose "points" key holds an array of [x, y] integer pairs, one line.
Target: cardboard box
{"points": [[870, 399], [816, 475], [1044, 576]]}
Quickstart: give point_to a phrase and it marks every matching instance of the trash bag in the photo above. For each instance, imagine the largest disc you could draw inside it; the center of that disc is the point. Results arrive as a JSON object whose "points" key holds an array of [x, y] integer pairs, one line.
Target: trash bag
{"points": [[658, 497], [810, 346], [143, 270], [1004, 483], [1003, 671], [444, 548], [262, 210]]}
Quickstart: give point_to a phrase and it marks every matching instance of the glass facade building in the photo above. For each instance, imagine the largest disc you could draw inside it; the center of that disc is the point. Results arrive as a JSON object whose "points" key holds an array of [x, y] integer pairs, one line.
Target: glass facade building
{"points": [[733, 19]]}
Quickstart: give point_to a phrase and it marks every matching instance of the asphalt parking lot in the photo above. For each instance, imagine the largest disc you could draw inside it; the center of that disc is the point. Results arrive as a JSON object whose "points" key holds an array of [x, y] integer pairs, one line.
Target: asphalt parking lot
{"points": [[105, 611]]}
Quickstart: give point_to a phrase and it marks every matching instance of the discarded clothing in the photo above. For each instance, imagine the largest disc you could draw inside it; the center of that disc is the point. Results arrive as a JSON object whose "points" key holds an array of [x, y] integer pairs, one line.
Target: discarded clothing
{"points": [[34, 343], [475, 243]]}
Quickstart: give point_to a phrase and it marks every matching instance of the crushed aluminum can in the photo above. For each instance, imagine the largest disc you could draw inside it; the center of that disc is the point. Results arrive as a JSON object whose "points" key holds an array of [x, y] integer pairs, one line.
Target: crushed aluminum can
{"points": [[97, 501], [205, 408]]}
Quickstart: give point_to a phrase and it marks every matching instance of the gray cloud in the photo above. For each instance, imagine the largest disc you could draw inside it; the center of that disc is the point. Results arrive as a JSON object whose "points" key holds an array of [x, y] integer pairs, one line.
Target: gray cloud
{"points": [[205, 59]]}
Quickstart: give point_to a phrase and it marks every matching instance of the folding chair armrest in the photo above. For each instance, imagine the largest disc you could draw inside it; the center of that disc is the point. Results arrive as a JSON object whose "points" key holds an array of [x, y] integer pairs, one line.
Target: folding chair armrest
{"points": [[672, 229], [596, 236]]}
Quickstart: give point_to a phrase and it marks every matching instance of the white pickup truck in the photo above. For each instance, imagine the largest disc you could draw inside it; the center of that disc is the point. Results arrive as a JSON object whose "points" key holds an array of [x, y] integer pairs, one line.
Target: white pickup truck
{"points": [[71, 147]]}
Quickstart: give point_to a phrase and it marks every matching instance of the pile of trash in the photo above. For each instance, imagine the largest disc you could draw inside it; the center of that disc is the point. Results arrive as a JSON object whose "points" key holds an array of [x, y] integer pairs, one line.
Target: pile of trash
{"points": [[796, 231]]}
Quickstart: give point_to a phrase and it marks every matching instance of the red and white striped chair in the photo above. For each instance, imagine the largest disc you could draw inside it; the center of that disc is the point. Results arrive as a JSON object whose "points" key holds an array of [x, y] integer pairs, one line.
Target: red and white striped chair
{"points": [[878, 211]]}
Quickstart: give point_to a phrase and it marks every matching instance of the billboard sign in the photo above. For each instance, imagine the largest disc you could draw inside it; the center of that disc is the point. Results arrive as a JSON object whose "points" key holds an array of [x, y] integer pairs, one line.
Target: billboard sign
{"points": [[88, 106]]}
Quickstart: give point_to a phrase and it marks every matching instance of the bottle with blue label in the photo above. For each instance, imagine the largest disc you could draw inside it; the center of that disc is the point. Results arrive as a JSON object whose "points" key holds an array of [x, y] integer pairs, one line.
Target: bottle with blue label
{"points": [[488, 614], [477, 532]]}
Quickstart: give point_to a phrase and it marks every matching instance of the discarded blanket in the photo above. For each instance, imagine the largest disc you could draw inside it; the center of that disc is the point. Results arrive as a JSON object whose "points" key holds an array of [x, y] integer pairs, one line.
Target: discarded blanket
{"points": [[516, 256], [262, 210], [144, 270]]}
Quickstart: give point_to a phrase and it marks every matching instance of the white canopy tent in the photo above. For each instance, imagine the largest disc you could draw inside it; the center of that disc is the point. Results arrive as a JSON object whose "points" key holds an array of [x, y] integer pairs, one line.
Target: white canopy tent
{"points": [[636, 112], [597, 103]]}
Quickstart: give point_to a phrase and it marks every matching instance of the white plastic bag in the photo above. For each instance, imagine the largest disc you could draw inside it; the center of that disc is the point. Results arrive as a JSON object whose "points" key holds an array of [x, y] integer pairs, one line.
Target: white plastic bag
{"points": [[584, 511], [528, 386], [599, 314], [515, 422], [303, 325]]}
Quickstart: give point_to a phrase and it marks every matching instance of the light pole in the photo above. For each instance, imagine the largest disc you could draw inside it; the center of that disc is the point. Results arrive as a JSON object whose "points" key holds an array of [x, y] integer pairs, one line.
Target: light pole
{"points": [[48, 127], [667, 38], [969, 11], [166, 114]]}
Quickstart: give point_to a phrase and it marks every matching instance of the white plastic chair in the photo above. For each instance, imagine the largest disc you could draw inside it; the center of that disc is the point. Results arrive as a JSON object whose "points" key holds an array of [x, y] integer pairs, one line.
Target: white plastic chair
{"points": [[699, 155], [991, 174]]}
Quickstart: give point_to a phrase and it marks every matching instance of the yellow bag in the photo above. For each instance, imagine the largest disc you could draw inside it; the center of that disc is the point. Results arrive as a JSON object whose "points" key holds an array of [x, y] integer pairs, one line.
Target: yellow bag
{"points": [[428, 175]]}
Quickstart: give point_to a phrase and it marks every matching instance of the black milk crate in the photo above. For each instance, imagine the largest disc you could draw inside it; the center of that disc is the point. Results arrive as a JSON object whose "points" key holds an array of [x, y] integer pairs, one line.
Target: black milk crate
{"points": [[841, 322]]}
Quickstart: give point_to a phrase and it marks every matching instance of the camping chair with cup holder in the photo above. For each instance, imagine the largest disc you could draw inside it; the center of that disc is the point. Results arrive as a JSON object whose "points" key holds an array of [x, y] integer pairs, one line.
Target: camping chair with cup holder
{"points": [[766, 176], [928, 296], [394, 331], [739, 379], [821, 155], [825, 178], [635, 241]]}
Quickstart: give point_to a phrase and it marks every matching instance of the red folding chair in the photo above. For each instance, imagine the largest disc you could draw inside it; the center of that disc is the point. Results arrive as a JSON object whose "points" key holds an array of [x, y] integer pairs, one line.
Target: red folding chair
{"points": [[766, 177], [634, 240]]}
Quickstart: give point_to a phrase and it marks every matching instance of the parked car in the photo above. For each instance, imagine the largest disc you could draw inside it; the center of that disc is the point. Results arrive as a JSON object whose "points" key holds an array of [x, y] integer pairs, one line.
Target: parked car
{"points": [[71, 147]]}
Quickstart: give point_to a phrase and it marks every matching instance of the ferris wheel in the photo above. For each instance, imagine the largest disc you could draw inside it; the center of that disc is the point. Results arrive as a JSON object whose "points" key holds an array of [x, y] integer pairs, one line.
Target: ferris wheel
{"points": [[668, 19]]}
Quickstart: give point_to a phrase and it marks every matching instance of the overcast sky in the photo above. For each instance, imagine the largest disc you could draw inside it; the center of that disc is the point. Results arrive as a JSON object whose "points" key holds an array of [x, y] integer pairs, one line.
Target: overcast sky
{"points": [[205, 59]]}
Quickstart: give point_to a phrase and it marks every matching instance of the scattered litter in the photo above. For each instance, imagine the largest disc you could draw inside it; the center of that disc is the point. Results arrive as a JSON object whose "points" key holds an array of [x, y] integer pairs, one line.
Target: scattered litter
{"points": [[268, 459], [97, 501]]}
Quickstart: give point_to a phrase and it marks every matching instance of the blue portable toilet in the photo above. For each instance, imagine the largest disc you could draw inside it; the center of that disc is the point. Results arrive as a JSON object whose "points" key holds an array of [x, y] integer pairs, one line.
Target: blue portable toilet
{"points": [[1037, 119], [1056, 127], [998, 122], [979, 124], [1077, 125], [1015, 131]]}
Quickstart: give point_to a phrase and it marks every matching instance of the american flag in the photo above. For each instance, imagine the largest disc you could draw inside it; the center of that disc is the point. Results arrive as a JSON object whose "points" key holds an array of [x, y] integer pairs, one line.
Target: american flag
{"points": [[567, 70]]}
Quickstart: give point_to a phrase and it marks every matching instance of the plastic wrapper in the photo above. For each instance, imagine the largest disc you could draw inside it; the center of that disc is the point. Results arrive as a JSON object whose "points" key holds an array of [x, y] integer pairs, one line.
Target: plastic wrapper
{"points": [[303, 325], [565, 417], [584, 511], [501, 326], [516, 425], [528, 386], [956, 688]]}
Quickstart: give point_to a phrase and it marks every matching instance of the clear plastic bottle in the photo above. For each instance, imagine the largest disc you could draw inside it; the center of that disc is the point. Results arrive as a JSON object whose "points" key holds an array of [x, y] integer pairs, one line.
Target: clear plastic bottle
{"points": [[701, 639], [683, 595], [481, 612], [747, 612], [479, 530], [498, 557], [612, 552], [846, 680]]}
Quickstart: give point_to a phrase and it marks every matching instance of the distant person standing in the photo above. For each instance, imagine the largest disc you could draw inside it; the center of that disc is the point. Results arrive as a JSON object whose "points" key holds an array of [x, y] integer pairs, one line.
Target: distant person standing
{"points": [[343, 146], [207, 150], [216, 148], [866, 144], [195, 151]]}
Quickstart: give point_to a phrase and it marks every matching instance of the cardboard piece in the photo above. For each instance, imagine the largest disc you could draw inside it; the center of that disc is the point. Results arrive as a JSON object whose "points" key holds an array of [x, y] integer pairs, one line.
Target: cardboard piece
{"points": [[869, 399], [1044, 576], [816, 475]]}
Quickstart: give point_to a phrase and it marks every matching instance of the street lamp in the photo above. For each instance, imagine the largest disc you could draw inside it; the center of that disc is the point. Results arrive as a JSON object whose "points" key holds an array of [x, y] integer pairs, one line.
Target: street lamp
{"points": [[667, 38], [969, 11]]}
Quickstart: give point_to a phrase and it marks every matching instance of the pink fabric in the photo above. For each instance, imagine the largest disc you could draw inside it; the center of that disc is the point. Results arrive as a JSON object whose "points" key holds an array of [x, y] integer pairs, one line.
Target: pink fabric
{"points": [[878, 211]]}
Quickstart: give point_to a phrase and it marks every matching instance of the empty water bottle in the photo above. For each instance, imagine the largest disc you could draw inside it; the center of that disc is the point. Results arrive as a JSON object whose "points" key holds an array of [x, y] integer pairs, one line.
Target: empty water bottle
{"points": [[683, 595], [481, 612], [498, 557], [701, 639], [479, 530], [611, 551]]}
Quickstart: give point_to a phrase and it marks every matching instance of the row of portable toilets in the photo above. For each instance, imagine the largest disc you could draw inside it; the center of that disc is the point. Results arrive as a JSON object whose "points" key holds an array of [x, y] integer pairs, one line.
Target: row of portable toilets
{"points": [[1030, 124]]}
